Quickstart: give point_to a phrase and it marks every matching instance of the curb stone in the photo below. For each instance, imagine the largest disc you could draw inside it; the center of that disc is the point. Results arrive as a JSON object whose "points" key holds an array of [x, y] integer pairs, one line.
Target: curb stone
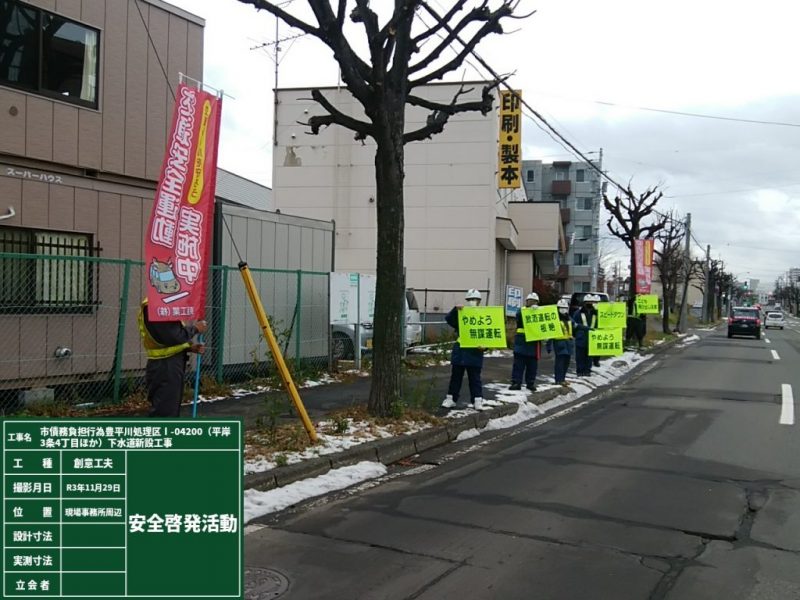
{"points": [[386, 451]]}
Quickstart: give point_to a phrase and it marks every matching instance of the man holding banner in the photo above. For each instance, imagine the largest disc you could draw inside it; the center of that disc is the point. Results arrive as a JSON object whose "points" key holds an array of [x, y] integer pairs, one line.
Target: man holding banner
{"points": [[177, 246], [469, 360], [526, 354], [584, 321]]}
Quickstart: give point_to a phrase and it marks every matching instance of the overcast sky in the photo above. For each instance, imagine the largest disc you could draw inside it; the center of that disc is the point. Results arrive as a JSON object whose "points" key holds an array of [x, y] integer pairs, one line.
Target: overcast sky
{"points": [[723, 58]]}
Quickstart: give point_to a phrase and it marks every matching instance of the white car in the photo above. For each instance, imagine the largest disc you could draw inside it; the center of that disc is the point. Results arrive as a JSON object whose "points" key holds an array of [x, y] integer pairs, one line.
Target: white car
{"points": [[774, 319]]}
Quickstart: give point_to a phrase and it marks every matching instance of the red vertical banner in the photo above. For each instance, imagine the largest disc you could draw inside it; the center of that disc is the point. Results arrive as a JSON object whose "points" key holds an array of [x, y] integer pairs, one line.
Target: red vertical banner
{"points": [[178, 238], [643, 256]]}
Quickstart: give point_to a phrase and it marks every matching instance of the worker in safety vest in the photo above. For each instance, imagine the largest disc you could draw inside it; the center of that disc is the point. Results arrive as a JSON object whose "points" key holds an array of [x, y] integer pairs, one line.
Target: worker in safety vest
{"points": [[563, 346], [464, 360], [167, 344], [526, 354], [584, 321]]}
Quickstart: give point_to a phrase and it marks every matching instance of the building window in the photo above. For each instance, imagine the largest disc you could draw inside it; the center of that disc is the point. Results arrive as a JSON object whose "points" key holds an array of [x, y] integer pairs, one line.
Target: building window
{"points": [[581, 259], [584, 232], [561, 174], [529, 175], [580, 175], [47, 54], [585, 286], [58, 277], [585, 203]]}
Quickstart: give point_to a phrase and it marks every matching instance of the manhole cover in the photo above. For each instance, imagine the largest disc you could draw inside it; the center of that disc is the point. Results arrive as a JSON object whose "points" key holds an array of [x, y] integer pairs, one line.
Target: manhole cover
{"points": [[264, 584]]}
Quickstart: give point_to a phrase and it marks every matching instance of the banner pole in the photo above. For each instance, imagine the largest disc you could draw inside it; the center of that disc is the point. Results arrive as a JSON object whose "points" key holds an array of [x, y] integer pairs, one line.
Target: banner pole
{"points": [[197, 379]]}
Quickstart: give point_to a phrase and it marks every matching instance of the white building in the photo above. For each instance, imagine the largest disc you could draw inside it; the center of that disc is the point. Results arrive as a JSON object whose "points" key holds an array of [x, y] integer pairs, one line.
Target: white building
{"points": [[460, 232]]}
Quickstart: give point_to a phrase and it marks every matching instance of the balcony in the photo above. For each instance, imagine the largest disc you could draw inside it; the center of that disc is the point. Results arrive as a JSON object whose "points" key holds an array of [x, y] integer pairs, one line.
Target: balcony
{"points": [[565, 215], [561, 187], [505, 233], [563, 272]]}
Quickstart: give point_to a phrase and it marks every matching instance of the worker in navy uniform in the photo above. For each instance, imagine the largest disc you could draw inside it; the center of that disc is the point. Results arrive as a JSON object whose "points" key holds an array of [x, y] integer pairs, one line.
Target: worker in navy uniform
{"points": [[564, 347], [582, 322], [526, 354], [636, 325], [167, 344], [464, 359]]}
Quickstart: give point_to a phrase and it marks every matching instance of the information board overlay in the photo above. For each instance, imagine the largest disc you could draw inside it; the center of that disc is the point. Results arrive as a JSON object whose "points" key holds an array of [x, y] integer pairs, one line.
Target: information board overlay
{"points": [[122, 508]]}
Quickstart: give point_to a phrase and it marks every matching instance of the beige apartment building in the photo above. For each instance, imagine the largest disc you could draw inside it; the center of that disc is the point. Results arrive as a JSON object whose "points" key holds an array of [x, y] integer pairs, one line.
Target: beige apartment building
{"points": [[460, 231], [84, 114]]}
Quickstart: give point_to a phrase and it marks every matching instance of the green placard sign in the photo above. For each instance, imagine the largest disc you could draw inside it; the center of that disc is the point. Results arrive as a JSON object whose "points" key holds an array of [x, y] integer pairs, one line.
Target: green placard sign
{"points": [[647, 304], [611, 315], [541, 323], [482, 327], [122, 508], [605, 342]]}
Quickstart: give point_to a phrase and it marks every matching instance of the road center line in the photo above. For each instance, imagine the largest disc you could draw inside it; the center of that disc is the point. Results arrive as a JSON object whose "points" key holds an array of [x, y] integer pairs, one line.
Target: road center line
{"points": [[787, 405], [775, 355]]}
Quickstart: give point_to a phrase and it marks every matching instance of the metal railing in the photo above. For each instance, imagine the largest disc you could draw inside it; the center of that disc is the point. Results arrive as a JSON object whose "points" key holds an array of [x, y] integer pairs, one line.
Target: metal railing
{"points": [[69, 331]]}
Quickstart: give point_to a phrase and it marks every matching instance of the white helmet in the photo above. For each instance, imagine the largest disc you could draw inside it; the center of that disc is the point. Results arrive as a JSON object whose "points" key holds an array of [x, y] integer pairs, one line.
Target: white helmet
{"points": [[532, 296], [563, 303], [591, 298], [472, 294]]}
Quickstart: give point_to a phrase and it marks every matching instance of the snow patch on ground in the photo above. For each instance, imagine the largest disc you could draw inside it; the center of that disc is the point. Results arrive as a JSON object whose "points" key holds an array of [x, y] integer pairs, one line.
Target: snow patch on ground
{"points": [[688, 341], [468, 434], [498, 354], [257, 503], [358, 432]]}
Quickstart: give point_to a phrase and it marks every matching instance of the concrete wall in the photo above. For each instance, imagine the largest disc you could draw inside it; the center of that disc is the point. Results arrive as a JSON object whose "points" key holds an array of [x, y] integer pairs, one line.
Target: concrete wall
{"points": [[450, 190]]}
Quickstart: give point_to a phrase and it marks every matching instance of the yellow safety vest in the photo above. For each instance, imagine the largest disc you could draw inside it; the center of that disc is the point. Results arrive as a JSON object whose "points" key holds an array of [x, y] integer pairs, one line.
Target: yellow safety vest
{"points": [[154, 349], [566, 329], [593, 324]]}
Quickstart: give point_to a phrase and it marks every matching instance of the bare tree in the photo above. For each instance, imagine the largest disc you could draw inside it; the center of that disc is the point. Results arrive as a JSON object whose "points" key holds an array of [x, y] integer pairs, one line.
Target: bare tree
{"points": [[634, 217], [669, 262], [384, 84]]}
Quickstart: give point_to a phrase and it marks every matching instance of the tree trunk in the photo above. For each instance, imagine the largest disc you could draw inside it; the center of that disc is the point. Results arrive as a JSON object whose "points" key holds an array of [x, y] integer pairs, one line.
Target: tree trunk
{"points": [[665, 312], [385, 392]]}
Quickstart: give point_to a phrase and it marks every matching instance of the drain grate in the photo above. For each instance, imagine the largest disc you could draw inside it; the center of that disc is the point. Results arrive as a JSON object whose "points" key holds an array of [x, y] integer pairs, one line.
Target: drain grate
{"points": [[264, 584]]}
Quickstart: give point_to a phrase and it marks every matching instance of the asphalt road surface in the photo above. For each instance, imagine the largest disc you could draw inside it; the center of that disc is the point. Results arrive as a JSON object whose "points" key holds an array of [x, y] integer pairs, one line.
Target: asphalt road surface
{"points": [[683, 483]]}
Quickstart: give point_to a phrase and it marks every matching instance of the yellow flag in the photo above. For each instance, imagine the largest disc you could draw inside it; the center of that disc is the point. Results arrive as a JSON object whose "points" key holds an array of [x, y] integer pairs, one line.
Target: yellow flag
{"points": [[482, 327]]}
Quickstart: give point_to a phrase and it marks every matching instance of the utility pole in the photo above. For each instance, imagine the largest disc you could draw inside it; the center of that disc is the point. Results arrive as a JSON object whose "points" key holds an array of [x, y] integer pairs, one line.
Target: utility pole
{"points": [[682, 323], [707, 291], [596, 228]]}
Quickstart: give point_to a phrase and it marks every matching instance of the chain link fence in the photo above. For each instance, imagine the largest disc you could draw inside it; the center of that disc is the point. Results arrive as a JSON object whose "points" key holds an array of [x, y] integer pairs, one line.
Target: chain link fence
{"points": [[69, 326]]}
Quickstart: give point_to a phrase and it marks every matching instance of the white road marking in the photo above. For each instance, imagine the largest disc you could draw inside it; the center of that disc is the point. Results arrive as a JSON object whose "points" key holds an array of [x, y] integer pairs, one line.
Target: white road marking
{"points": [[775, 355], [787, 405], [766, 340]]}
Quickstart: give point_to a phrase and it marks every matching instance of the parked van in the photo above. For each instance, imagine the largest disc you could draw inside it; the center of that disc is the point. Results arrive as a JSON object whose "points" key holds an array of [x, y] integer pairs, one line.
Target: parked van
{"points": [[413, 324]]}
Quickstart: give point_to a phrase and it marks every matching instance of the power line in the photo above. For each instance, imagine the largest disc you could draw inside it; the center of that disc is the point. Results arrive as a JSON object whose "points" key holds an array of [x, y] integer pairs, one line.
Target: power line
{"points": [[699, 115], [537, 118], [155, 50], [668, 111]]}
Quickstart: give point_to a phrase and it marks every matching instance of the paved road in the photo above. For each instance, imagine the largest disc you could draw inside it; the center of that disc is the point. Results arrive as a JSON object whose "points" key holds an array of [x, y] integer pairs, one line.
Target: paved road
{"points": [[682, 484]]}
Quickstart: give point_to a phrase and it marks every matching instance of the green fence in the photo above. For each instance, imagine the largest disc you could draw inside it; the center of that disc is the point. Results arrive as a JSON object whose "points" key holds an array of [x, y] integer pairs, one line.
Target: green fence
{"points": [[68, 326]]}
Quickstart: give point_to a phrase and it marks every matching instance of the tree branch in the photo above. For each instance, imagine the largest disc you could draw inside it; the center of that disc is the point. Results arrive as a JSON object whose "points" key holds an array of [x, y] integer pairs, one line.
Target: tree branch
{"points": [[442, 112], [355, 72], [335, 116], [480, 13], [440, 23], [492, 25]]}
